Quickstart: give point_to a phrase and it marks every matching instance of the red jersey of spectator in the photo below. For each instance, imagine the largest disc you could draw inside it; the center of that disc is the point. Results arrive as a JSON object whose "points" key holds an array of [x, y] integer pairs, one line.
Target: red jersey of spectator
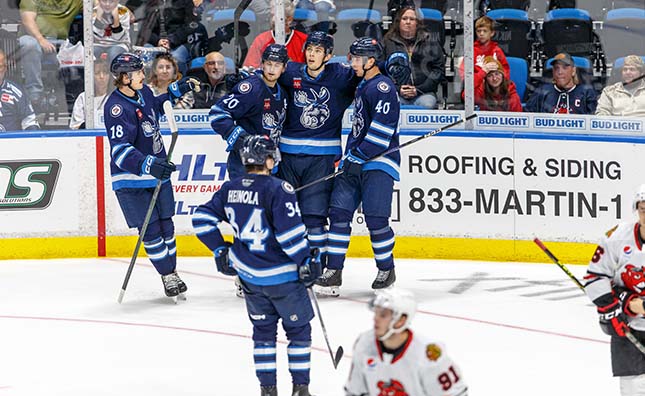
{"points": [[295, 44], [480, 52]]}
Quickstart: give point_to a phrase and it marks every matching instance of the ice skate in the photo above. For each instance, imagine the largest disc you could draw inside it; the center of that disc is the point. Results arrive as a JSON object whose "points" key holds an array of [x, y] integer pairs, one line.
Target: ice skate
{"points": [[301, 390], [172, 288], [384, 279], [182, 288], [329, 283], [238, 288], [268, 391]]}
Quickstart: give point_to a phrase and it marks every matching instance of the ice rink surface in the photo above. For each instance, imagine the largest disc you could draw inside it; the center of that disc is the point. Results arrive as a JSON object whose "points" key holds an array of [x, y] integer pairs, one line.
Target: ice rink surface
{"points": [[515, 329]]}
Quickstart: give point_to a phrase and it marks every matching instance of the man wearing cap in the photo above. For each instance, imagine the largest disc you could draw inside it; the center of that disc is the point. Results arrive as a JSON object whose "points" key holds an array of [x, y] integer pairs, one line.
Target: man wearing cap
{"points": [[625, 98], [564, 95]]}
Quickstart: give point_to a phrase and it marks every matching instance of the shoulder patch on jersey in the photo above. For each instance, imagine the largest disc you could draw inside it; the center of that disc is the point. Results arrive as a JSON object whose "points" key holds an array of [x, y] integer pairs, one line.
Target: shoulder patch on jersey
{"points": [[244, 87], [116, 110], [288, 187], [611, 231], [383, 87], [433, 352]]}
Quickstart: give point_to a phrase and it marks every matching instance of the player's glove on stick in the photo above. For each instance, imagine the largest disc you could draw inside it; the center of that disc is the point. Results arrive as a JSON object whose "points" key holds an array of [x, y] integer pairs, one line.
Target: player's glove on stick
{"points": [[179, 88], [625, 296], [398, 68], [236, 139], [160, 168], [222, 262], [311, 268], [612, 318], [353, 163]]}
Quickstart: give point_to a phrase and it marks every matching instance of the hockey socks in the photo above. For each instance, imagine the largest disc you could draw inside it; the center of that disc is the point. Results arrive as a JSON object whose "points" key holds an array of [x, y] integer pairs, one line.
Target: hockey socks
{"points": [[337, 244], [382, 245], [299, 354], [157, 252], [265, 366]]}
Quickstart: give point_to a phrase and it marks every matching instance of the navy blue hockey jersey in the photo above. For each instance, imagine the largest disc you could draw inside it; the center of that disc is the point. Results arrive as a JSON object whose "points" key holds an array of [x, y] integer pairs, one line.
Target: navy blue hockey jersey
{"points": [[16, 112], [580, 99], [316, 108], [133, 130], [251, 107], [375, 124], [270, 240]]}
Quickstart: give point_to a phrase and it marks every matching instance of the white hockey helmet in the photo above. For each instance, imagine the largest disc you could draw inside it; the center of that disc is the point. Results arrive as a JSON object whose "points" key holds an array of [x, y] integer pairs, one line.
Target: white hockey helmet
{"points": [[400, 302], [640, 196]]}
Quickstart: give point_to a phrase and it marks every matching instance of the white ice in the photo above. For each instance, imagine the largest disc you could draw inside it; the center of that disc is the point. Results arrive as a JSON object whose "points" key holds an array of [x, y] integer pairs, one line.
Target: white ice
{"points": [[514, 328]]}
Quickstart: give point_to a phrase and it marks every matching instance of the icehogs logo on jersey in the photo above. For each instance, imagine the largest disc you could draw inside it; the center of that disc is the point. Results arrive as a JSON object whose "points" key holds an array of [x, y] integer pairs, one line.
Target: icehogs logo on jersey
{"points": [[392, 388], [314, 110], [634, 279], [359, 123]]}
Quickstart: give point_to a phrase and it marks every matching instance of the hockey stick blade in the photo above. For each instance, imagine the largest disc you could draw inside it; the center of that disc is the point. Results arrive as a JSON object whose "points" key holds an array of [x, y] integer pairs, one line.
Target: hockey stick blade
{"points": [[393, 149], [170, 115], [546, 250], [339, 352], [338, 356]]}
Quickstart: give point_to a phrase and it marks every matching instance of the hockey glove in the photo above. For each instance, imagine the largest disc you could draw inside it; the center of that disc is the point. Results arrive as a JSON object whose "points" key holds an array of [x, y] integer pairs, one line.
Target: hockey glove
{"points": [[236, 139], [625, 296], [179, 88], [160, 168], [310, 269], [353, 163], [232, 80], [612, 319], [398, 68], [222, 262]]}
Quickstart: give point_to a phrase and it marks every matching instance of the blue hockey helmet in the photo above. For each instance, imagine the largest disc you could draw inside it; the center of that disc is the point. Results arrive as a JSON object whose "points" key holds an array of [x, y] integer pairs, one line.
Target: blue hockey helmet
{"points": [[322, 39], [367, 46], [276, 53], [257, 149], [125, 63]]}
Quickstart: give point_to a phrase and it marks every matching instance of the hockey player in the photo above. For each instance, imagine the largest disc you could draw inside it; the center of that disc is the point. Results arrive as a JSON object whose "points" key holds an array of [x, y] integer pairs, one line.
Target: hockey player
{"points": [[271, 256], [257, 106], [16, 112], [374, 130], [615, 284], [139, 159], [392, 360]]}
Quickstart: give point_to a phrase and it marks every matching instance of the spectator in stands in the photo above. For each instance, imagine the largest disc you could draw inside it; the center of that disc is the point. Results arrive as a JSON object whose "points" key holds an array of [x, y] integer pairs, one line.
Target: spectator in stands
{"points": [[212, 81], [165, 72], [485, 46], [625, 98], [262, 11], [16, 112], [564, 95], [495, 92], [294, 41], [426, 57], [45, 25], [111, 27], [169, 24], [101, 83]]}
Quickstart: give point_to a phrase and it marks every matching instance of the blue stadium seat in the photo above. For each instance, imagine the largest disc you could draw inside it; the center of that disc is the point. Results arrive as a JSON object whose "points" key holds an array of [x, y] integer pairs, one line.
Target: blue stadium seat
{"points": [[433, 22], [230, 65], [512, 31], [615, 70], [623, 33], [227, 15], [197, 63], [304, 15], [519, 74], [359, 14], [353, 23], [568, 30], [516, 4], [339, 59]]}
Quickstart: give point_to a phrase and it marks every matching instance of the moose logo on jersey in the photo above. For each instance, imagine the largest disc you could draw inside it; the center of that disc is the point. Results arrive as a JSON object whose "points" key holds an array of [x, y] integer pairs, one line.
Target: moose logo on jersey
{"points": [[273, 123], [314, 111], [634, 279], [359, 122], [392, 388]]}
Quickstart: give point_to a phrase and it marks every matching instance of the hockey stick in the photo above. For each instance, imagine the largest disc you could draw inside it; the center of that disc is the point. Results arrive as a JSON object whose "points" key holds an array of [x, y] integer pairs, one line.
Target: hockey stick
{"points": [[170, 115], [391, 150], [546, 250], [236, 26], [335, 359]]}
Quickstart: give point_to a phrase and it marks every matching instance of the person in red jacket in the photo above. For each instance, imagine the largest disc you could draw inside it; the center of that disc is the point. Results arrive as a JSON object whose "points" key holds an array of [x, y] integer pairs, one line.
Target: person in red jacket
{"points": [[495, 92], [294, 41], [484, 47]]}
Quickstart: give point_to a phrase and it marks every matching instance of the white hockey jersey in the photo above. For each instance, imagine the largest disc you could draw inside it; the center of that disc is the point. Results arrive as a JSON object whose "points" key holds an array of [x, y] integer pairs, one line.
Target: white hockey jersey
{"points": [[618, 261], [422, 369]]}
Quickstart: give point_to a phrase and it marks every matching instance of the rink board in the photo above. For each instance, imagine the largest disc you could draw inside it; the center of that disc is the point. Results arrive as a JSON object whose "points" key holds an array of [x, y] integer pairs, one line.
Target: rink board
{"points": [[481, 194]]}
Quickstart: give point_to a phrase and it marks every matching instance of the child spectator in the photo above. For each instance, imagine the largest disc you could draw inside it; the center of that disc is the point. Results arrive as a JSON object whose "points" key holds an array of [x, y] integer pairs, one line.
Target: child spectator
{"points": [[101, 82], [485, 46], [495, 92], [111, 27], [165, 72], [625, 98]]}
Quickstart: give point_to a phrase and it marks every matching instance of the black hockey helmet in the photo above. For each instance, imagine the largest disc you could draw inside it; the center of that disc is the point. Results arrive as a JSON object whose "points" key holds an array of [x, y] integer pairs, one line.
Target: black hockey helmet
{"points": [[322, 39], [125, 63], [276, 53], [257, 149], [367, 46]]}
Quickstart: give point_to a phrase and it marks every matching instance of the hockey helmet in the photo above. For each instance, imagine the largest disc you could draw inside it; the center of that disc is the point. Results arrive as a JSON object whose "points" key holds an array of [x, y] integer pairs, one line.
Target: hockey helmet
{"points": [[125, 63], [400, 302], [367, 46], [321, 39], [276, 53], [257, 149], [640, 196]]}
